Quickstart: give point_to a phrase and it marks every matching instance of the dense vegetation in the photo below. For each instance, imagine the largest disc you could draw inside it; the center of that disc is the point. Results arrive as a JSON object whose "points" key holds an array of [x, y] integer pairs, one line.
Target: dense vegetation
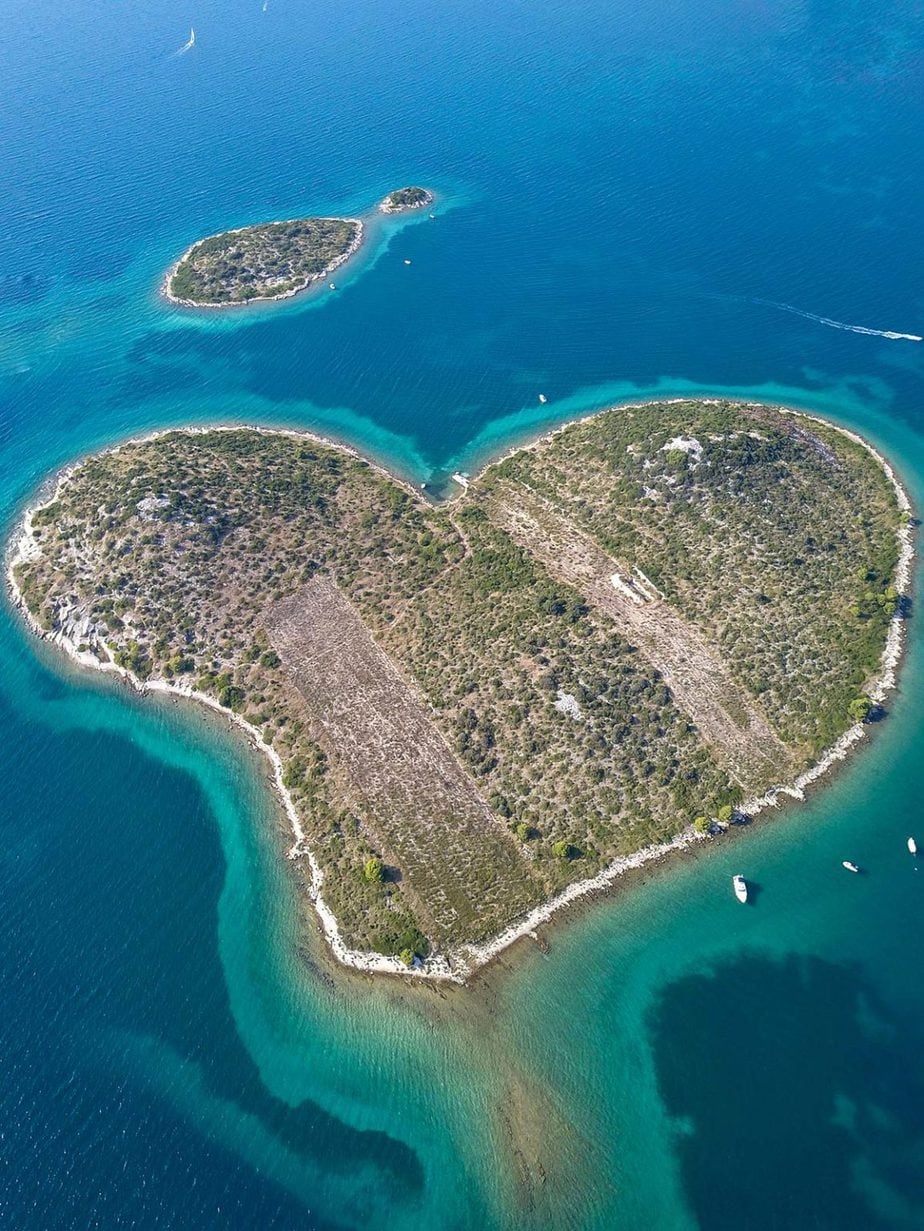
{"points": [[262, 262], [774, 538]]}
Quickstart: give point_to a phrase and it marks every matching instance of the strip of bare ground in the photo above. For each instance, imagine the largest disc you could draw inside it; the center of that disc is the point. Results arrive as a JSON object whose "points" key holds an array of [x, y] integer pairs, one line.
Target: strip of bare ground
{"points": [[738, 735], [466, 870]]}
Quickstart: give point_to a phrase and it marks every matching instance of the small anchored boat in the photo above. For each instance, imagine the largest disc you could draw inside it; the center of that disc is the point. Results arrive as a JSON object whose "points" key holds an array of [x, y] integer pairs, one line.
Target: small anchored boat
{"points": [[406, 261], [912, 846], [543, 399], [740, 886], [851, 867]]}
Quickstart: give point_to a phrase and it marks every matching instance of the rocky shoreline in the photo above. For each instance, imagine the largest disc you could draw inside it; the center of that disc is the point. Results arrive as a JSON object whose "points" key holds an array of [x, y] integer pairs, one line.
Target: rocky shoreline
{"points": [[389, 206], [354, 247], [460, 964]]}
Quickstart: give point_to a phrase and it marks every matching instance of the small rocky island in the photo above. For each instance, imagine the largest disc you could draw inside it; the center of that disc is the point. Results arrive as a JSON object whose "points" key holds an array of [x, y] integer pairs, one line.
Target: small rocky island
{"points": [[617, 638], [403, 199], [272, 260]]}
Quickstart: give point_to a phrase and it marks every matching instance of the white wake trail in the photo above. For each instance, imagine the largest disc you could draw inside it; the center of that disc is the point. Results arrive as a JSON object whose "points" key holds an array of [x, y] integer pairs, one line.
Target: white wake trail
{"points": [[188, 45], [826, 320]]}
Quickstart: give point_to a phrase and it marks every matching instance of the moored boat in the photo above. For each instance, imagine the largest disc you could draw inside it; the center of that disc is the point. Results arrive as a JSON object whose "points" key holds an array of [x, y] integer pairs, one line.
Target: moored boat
{"points": [[741, 887], [851, 867], [912, 846]]}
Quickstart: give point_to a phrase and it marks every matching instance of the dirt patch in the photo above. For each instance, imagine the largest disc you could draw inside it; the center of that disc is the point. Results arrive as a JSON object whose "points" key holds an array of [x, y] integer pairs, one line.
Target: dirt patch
{"points": [[740, 737], [457, 861]]}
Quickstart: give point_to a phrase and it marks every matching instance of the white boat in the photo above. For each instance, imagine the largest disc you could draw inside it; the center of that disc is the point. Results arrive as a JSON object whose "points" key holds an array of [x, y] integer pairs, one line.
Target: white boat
{"points": [[332, 285], [543, 399], [406, 261], [851, 867], [740, 887], [912, 846]]}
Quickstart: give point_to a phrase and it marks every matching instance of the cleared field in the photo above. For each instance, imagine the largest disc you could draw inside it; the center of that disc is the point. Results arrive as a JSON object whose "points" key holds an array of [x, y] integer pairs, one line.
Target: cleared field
{"points": [[457, 862], [739, 735]]}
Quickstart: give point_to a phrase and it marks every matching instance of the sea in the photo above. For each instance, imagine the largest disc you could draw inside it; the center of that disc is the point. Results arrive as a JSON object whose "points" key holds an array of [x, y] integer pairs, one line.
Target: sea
{"points": [[635, 199]]}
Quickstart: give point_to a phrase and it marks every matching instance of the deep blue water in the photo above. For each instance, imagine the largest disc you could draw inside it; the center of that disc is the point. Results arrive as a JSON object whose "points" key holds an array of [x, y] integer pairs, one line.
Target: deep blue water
{"points": [[619, 185]]}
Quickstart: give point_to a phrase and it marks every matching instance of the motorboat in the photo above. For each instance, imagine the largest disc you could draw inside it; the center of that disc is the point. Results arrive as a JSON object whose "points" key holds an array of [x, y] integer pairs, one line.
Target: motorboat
{"points": [[912, 846], [741, 887], [851, 867]]}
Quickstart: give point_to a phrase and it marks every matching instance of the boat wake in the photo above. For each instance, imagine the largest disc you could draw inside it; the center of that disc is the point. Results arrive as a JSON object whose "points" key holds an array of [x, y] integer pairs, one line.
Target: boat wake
{"points": [[826, 320], [188, 45]]}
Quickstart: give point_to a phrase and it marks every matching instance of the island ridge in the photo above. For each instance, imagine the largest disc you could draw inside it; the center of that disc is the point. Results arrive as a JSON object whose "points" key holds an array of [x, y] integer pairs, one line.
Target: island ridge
{"points": [[622, 634]]}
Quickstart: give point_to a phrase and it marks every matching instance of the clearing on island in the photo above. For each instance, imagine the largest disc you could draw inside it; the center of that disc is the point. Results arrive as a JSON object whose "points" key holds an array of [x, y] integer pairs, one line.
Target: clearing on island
{"points": [[638, 623]]}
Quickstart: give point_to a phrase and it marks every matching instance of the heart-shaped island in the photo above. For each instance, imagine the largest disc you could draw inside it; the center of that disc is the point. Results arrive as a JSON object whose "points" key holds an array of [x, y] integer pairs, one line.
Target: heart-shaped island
{"points": [[625, 636]]}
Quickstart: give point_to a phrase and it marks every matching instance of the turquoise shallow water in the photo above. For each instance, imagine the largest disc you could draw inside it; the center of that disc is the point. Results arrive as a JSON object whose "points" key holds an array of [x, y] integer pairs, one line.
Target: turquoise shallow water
{"points": [[619, 184]]}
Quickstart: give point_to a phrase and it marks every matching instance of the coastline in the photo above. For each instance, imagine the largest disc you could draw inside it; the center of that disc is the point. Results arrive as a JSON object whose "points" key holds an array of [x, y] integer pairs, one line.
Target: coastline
{"points": [[355, 245], [460, 964]]}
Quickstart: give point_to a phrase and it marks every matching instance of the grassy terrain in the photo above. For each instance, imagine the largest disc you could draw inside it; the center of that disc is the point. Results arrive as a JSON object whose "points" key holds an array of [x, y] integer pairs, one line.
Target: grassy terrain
{"points": [[261, 262], [774, 535], [463, 695]]}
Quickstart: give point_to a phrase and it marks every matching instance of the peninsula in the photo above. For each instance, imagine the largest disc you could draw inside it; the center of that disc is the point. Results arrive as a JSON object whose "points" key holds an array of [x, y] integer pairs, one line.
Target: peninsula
{"points": [[634, 631], [272, 260]]}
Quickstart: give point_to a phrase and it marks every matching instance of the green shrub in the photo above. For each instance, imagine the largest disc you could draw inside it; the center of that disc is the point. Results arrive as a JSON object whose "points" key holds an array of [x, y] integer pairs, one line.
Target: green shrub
{"points": [[374, 871]]}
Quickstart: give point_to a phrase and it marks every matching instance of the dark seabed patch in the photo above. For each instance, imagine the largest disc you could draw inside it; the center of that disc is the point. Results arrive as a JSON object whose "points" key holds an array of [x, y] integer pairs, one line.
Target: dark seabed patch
{"points": [[132, 1035], [796, 1094]]}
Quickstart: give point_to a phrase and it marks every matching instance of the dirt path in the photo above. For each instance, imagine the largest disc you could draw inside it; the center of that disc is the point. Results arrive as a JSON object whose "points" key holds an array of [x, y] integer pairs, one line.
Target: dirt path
{"points": [[728, 720]]}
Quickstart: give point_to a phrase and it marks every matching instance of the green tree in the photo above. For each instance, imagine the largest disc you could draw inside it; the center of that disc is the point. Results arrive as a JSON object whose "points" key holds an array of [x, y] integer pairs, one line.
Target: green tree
{"points": [[374, 870], [231, 697], [725, 814], [407, 956], [859, 708], [702, 824], [561, 849]]}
